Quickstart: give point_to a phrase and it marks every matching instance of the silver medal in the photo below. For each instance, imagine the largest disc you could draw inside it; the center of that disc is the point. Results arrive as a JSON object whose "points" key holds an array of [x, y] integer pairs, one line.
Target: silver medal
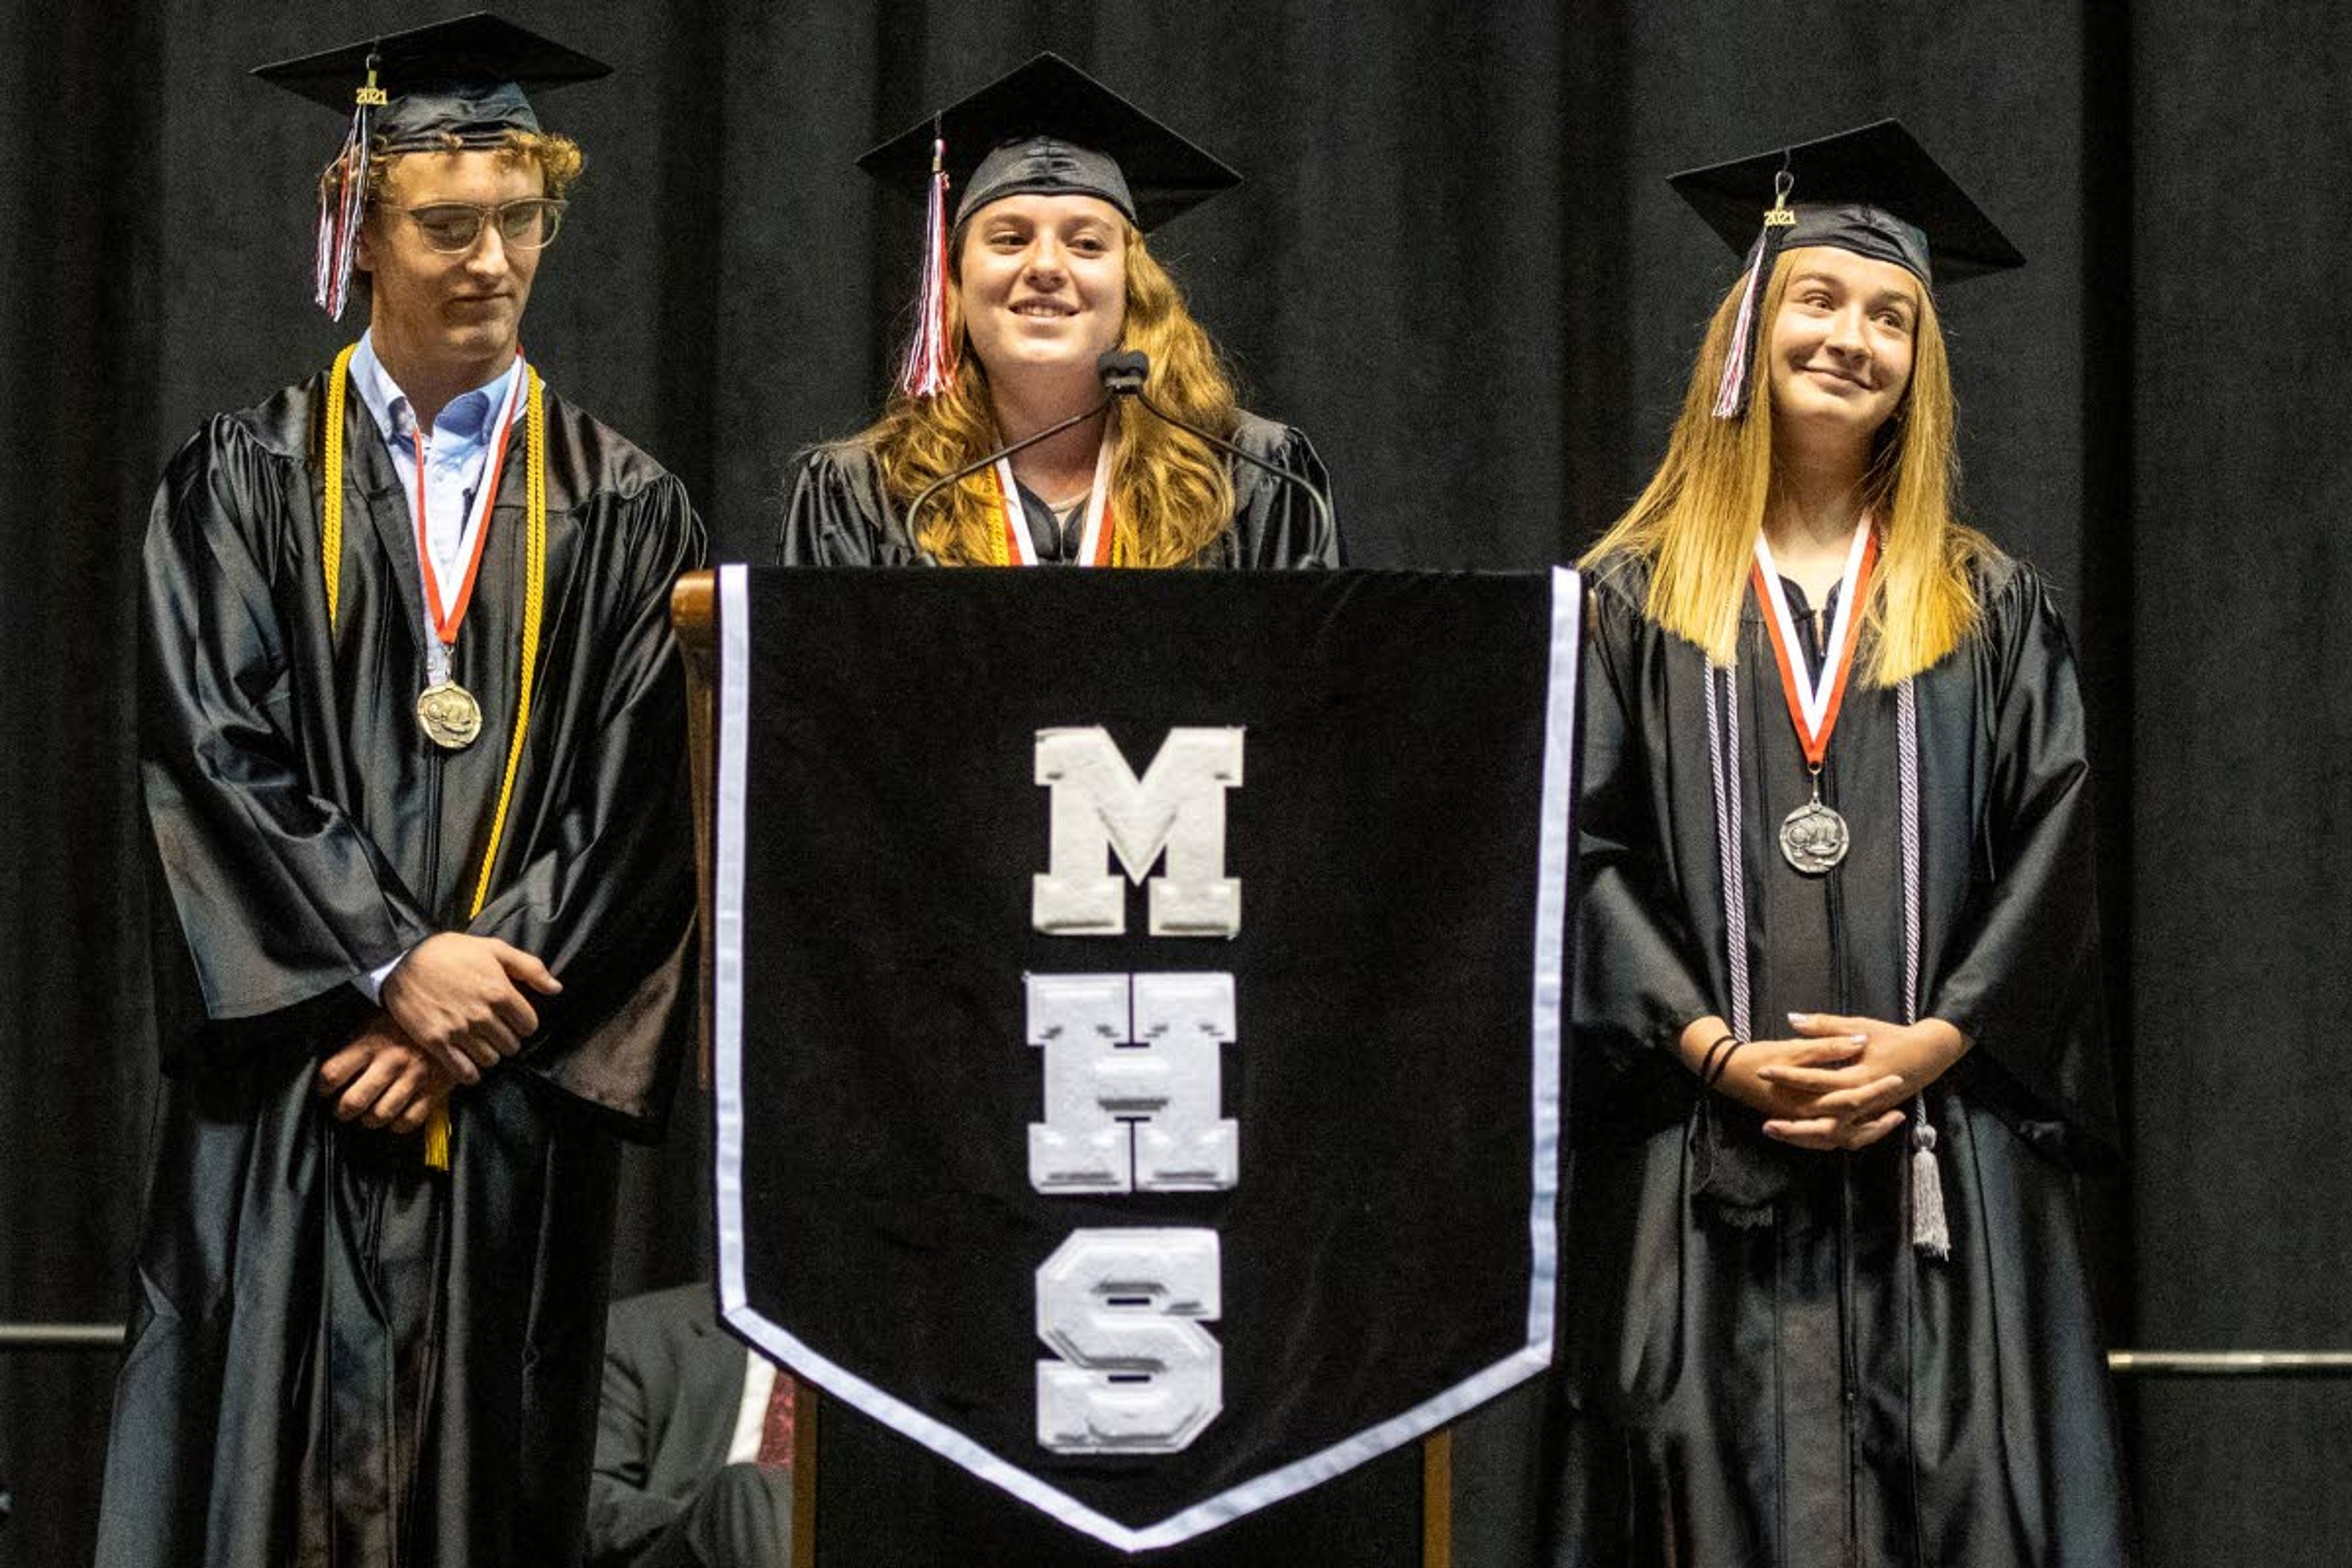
{"points": [[1813, 837]]}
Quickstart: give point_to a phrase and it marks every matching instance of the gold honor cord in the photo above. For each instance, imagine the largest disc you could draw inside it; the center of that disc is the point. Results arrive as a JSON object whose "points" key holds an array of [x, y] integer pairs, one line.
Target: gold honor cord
{"points": [[1000, 540], [1000, 545], [331, 532], [534, 600]]}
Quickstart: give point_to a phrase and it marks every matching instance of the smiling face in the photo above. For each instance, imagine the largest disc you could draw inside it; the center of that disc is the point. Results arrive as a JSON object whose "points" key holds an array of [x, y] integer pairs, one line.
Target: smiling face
{"points": [[1043, 283], [429, 307], [1842, 342]]}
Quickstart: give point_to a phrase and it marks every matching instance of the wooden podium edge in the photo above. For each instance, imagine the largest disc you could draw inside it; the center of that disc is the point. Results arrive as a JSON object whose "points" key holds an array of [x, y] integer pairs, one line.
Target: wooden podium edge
{"points": [[804, 1442], [1437, 1500], [694, 617]]}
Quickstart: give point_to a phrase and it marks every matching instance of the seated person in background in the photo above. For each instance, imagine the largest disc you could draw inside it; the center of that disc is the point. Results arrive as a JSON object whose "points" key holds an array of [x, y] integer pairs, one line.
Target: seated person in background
{"points": [[693, 1443], [1042, 270]]}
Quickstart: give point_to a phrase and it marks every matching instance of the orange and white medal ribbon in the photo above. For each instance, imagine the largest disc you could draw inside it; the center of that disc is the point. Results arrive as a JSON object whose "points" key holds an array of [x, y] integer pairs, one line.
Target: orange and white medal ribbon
{"points": [[446, 711], [1095, 539], [1814, 838]]}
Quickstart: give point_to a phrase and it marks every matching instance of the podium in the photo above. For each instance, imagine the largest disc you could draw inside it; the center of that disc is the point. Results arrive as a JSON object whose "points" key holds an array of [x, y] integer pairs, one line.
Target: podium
{"points": [[1133, 1004]]}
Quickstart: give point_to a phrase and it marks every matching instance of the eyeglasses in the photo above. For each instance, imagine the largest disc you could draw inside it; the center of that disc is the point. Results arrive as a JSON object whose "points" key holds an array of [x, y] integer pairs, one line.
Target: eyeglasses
{"points": [[453, 227]]}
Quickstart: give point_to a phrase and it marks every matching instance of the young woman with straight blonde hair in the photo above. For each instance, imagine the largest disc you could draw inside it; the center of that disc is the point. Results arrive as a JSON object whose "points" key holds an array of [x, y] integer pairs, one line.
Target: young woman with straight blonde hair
{"points": [[1838, 1008]]}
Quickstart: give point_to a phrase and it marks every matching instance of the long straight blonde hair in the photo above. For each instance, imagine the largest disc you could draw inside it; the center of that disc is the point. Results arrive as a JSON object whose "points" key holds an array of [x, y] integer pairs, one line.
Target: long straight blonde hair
{"points": [[1695, 523], [1170, 495]]}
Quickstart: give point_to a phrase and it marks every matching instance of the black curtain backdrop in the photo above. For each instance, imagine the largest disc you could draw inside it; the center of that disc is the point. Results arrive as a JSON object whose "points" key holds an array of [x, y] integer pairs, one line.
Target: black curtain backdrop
{"points": [[1455, 264]]}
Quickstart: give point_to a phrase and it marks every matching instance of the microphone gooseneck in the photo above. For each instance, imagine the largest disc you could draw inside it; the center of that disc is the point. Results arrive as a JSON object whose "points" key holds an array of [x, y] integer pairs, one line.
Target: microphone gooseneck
{"points": [[914, 507], [1123, 373]]}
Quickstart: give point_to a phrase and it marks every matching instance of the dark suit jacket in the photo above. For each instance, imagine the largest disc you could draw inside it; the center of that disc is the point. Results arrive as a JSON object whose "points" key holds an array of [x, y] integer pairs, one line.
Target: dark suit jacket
{"points": [[673, 1383]]}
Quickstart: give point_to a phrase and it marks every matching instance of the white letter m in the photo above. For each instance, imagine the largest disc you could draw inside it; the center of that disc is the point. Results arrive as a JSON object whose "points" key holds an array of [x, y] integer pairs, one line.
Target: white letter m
{"points": [[1101, 808]]}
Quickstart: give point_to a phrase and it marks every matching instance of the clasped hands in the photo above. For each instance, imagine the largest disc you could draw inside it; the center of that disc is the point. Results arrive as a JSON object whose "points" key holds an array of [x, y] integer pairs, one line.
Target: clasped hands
{"points": [[455, 1006], [1839, 1083]]}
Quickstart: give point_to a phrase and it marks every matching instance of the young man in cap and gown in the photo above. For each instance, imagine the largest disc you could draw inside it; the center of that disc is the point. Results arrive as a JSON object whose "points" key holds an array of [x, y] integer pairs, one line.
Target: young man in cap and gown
{"points": [[413, 750]]}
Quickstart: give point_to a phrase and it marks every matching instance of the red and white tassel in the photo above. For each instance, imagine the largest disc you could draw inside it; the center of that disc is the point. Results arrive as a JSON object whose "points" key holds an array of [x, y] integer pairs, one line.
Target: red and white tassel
{"points": [[1731, 393], [342, 202], [930, 363]]}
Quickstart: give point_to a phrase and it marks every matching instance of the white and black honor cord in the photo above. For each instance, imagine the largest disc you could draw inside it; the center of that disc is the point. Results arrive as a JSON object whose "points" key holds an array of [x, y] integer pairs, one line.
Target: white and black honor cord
{"points": [[1930, 1232]]}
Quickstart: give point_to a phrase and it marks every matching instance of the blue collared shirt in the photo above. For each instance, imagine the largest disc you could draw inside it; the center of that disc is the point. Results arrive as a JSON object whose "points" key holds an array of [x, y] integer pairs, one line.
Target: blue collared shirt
{"points": [[457, 449]]}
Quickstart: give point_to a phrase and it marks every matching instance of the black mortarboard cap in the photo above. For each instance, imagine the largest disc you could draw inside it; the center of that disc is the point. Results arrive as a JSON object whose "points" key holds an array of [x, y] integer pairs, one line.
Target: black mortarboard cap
{"points": [[1050, 128], [1873, 190], [465, 76]]}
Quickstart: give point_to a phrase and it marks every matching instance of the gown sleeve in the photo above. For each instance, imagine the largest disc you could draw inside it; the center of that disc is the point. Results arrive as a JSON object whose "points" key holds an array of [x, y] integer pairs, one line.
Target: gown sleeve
{"points": [[1639, 981], [836, 515], [605, 897], [1275, 527], [2021, 972], [281, 898]]}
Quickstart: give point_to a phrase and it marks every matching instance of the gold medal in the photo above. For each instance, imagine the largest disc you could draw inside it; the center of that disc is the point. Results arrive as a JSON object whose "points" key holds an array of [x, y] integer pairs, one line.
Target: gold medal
{"points": [[446, 711], [449, 716]]}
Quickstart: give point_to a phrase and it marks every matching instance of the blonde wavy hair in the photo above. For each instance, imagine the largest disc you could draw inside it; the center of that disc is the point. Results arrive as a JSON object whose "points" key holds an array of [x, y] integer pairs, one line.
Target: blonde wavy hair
{"points": [[559, 158], [1696, 524], [1170, 495]]}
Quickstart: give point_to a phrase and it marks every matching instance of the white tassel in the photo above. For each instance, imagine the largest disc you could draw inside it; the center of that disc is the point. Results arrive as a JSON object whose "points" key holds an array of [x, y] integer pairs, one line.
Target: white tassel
{"points": [[1929, 1232]]}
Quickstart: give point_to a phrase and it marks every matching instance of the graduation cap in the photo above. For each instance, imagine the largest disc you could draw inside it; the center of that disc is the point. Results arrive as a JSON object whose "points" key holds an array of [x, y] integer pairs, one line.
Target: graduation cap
{"points": [[454, 83], [1046, 128], [1872, 190]]}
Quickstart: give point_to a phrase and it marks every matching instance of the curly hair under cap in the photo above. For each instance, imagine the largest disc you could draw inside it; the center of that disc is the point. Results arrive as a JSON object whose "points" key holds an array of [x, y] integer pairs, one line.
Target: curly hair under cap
{"points": [[559, 158]]}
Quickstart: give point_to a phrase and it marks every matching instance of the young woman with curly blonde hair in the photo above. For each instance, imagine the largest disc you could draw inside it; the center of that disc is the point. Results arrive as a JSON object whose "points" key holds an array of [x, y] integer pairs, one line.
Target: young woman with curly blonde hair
{"points": [[1044, 267]]}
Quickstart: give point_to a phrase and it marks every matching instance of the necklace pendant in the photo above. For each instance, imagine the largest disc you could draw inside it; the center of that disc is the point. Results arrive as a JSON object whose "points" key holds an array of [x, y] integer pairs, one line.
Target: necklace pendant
{"points": [[1814, 838], [449, 715]]}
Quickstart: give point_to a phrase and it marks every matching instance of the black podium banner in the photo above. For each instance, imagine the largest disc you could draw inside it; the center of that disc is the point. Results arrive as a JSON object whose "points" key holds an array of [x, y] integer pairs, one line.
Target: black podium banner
{"points": [[1137, 1029]]}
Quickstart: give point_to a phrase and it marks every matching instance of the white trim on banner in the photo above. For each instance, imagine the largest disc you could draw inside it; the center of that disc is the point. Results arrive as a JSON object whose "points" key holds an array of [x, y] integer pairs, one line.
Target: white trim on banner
{"points": [[727, 934], [1555, 848], [1201, 1517], [1555, 861]]}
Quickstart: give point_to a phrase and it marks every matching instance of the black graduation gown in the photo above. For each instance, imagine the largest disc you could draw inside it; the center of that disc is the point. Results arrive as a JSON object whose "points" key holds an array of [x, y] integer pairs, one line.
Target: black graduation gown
{"points": [[335, 1355], [1763, 1369], [836, 512]]}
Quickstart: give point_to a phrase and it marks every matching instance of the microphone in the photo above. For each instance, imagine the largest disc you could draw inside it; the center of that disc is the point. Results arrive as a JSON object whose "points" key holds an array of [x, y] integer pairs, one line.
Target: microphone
{"points": [[914, 507], [1124, 372]]}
